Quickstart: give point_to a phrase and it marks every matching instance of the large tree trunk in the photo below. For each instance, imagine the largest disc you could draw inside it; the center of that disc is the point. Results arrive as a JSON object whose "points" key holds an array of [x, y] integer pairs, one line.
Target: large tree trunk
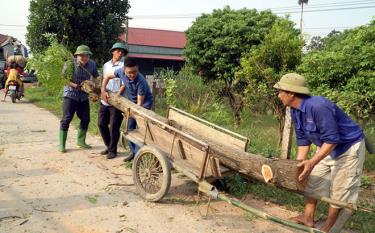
{"points": [[282, 173]]}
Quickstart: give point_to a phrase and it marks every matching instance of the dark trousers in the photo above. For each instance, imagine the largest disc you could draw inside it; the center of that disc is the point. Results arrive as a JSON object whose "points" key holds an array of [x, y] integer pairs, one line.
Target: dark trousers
{"points": [[109, 123], [70, 107]]}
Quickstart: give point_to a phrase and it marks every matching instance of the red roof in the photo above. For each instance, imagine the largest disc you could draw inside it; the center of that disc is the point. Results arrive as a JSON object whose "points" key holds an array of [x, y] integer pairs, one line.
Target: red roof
{"points": [[3, 38], [156, 37], [153, 56]]}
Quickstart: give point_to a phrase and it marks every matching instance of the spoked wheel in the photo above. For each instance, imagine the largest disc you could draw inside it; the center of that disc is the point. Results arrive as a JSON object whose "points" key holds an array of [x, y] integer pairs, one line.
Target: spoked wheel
{"points": [[151, 174]]}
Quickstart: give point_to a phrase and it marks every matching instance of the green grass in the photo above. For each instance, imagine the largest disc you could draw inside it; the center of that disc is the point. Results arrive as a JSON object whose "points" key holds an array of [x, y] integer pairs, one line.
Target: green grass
{"points": [[53, 103]]}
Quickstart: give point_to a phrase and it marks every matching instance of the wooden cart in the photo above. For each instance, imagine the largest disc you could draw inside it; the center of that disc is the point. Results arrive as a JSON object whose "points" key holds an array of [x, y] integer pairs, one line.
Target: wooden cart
{"points": [[164, 145], [201, 151]]}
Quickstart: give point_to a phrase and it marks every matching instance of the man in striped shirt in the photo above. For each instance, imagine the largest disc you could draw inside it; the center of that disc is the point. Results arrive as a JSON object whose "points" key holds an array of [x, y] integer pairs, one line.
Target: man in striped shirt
{"points": [[75, 100]]}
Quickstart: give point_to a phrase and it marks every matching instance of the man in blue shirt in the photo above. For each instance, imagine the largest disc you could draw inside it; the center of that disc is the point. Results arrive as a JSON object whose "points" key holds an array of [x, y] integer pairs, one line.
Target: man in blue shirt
{"points": [[75, 100], [335, 169], [110, 118], [136, 90]]}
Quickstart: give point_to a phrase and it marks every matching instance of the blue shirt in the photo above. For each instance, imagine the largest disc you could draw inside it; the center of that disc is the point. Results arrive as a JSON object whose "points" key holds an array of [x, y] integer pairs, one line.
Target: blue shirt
{"points": [[78, 76], [113, 84], [319, 121], [133, 88]]}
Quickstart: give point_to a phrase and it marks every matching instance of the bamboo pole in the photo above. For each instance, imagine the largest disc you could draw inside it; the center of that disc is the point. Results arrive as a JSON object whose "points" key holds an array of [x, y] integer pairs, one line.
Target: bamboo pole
{"points": [[266, 216], [211, 190]]}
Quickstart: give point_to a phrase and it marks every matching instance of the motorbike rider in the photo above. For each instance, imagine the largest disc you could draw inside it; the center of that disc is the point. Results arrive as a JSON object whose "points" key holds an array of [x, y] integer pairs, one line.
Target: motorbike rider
{"points": [[13, 76]]}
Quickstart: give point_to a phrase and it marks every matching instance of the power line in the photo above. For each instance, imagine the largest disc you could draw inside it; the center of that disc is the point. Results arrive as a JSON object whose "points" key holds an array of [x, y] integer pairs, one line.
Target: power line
{"points": [[280, 10], [276, 12], [13, 25], [332, 9], [339, 4]]}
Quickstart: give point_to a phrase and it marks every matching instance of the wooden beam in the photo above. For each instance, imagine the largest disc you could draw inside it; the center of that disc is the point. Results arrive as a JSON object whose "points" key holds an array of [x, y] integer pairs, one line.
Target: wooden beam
{"points": [[286, 140]]}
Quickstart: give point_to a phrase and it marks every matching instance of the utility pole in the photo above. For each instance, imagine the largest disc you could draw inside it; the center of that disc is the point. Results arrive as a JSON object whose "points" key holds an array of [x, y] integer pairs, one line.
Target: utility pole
{"points": [[301, 21], [127, 30], [286, 140]]}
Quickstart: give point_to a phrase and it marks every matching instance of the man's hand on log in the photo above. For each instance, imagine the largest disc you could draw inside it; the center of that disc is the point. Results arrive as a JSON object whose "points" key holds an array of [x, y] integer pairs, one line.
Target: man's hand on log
{"points": [[307, 166], [104, 96], [118, 94]]}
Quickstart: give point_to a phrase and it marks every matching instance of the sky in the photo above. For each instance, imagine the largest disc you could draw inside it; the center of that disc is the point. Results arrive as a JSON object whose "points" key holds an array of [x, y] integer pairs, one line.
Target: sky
{"points": [[179, 15]]}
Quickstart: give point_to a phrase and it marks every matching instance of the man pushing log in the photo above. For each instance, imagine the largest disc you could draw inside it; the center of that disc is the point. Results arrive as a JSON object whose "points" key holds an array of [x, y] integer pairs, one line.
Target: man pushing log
{"points": [[336, 167]]}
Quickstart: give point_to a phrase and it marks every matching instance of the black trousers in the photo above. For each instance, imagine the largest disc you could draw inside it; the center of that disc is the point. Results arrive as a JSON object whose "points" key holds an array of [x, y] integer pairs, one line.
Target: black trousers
{"points": [[109, 123], [70, 107]]}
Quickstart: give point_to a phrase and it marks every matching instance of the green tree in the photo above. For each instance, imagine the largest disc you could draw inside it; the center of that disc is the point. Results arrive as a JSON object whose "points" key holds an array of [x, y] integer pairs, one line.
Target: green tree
{"points": [[96, 23], [280, 53], [217, 41], [319, 43], [49, 66], [344, 70]]}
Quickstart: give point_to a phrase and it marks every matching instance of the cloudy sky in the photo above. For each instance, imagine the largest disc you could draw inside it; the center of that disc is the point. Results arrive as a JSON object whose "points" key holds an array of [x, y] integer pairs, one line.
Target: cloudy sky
{"points": [[320, 18]]}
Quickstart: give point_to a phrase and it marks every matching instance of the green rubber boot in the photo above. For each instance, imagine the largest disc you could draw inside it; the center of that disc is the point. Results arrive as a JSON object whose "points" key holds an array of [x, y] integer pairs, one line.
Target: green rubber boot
{"points": [[81, 139], [62, 140]]}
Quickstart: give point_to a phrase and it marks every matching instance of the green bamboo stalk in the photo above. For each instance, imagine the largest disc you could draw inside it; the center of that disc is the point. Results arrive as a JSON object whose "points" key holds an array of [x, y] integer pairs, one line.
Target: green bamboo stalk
{"points": [[266, 216]]}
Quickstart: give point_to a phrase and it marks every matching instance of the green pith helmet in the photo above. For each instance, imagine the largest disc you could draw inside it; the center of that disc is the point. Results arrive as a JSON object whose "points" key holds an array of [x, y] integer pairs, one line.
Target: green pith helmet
{"points": [[119, 45], [294, 83], [83, 49]]}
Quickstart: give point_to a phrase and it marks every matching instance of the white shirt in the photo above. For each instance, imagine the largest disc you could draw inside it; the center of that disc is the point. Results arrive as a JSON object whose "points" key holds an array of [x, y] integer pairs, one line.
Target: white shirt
{"points": [[113, 84]]}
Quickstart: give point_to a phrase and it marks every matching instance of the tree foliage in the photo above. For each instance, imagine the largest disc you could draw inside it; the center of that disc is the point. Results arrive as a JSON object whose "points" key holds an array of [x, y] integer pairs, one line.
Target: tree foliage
{"points": [[49, 65], [96, 23], [217, 41], [344, 70], [280, 53], [319, 43]]}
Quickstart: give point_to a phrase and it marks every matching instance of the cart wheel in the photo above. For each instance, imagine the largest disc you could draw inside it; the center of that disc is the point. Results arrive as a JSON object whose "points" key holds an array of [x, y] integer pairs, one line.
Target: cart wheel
{"points": [[151, 173]]}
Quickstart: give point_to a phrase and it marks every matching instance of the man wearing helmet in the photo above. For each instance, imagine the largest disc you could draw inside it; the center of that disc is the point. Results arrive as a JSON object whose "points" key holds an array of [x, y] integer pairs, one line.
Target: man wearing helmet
{"points": [[110, 118], [75, 100], [334, 170]]}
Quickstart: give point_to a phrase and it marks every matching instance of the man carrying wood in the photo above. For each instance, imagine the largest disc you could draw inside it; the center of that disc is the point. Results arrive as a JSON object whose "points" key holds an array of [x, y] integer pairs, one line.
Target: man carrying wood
{"points": [[335, 169], [75, 100], [136, 90], [110, 118]]}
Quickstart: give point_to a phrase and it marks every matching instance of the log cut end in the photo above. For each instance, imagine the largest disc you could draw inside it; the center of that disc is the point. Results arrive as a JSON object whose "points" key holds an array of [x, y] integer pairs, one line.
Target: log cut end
{"points": [[91, 88], [267, 173]]}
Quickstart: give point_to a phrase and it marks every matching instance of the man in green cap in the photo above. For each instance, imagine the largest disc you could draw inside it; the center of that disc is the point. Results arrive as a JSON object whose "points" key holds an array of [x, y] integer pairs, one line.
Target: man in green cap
{"points": [[110, 118], [75, 100], [334, 170]]}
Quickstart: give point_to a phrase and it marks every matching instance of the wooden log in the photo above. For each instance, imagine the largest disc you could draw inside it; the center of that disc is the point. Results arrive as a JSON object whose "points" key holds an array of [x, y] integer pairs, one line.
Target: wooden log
{"points": [[91, 88], [284, 172]]}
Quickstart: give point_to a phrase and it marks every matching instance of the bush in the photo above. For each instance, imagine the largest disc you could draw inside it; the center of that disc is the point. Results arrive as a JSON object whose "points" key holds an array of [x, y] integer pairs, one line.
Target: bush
{"points": [[49, 66], [344, 71], [188, 92]]}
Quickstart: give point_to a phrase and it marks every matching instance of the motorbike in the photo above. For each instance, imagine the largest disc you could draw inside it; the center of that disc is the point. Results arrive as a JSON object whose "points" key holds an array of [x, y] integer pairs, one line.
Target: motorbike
{"points": [[13, 91]]}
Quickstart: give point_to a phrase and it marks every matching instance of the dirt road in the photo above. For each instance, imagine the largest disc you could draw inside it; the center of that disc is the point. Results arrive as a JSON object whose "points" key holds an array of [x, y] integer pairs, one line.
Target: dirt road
{"points": [[42, 190]]}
